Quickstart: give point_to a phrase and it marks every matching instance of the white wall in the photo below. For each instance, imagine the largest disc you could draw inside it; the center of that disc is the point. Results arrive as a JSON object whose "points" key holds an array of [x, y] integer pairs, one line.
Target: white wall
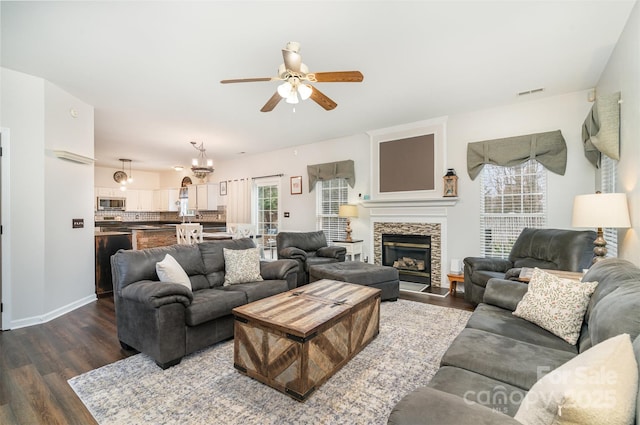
{"points": [[23, 113], [69, 253], [565, 113], [622, 74], [51, 265], [141, 179]]}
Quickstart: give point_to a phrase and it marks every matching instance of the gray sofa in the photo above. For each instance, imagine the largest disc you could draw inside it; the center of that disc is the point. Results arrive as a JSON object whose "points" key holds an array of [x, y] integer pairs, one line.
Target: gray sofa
{"points": [[496, 359], [167, 321], [308, 249], [555, 249]]}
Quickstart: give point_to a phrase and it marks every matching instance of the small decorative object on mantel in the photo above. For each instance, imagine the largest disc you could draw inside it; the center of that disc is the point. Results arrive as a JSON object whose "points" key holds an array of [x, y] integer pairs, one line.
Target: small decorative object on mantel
{"points": [[450, 183]]}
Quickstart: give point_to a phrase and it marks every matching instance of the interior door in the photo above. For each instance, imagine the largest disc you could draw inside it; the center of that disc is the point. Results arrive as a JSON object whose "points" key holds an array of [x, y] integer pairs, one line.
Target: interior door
{"points": [[1, 183]]}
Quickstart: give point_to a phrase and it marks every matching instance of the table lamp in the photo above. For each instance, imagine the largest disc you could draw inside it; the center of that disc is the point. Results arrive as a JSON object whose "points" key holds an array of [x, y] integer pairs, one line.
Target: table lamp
{"points": [[600, 210], [347, 211]]}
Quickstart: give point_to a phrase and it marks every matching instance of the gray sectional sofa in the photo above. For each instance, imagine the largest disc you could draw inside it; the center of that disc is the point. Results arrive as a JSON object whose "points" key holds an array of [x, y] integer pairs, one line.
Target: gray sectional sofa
{"points": [[167, 320], [497, 358]]}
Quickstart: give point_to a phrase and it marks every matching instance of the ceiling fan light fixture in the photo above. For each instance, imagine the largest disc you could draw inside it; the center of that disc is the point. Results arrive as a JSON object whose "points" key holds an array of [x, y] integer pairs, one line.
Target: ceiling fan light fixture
{"points": [[292, 99], [304, 90], [285, 89]]}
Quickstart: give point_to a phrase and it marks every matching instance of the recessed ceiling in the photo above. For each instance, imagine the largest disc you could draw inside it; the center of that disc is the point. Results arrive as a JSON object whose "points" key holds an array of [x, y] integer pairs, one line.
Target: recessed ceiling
{"points": [[152, 70]]}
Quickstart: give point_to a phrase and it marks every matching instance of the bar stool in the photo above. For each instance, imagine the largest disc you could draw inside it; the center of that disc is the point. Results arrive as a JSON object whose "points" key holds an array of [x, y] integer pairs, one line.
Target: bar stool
{"points": [[189, 233]]}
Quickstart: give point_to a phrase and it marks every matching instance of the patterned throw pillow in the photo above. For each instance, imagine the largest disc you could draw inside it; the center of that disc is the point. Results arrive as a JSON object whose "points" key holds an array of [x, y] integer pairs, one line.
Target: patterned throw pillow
{"points": [[170, 271], [241, 266], [555, 304]]}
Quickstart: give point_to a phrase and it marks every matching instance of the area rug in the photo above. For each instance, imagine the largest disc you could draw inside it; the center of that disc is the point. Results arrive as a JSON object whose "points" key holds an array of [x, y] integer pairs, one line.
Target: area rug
{"points": [[205, 388]]}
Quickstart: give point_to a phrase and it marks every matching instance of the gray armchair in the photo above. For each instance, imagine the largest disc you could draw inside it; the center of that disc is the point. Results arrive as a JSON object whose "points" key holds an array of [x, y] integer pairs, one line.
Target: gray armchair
{"points": [[554, 249], [308, 249]]}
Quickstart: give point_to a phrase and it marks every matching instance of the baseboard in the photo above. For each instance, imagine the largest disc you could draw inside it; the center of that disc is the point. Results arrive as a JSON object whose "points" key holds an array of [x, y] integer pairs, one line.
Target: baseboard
{"points": [[44, 318]]}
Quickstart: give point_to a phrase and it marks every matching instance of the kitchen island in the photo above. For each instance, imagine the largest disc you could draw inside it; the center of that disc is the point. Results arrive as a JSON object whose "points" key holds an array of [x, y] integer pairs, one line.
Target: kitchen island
{"points": [[107, 244]]}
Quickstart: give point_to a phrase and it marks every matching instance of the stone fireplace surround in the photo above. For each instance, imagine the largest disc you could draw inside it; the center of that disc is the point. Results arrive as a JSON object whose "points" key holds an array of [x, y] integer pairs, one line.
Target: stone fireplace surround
{"points": [[416, 217]]}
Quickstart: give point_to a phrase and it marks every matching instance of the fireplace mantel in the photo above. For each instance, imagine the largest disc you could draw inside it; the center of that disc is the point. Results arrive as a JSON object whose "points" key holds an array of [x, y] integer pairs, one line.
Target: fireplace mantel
{"points": [[410, 203]]}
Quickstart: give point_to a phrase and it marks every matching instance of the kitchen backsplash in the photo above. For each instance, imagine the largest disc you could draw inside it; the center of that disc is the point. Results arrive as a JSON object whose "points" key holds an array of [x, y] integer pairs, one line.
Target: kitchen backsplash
{"points": [[219, 215]]}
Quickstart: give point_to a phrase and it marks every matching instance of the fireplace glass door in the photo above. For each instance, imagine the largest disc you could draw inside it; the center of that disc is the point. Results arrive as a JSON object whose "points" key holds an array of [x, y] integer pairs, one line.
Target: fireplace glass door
{"points": [[410, 254]]}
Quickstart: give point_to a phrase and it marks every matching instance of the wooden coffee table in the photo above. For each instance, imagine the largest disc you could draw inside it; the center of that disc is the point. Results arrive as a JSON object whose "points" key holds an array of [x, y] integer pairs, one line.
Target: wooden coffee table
{"points": [[296, 340]]}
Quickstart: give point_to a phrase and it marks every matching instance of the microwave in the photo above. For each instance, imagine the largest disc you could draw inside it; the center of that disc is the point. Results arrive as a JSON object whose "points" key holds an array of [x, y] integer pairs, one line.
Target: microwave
{"points": [[111, 204]]}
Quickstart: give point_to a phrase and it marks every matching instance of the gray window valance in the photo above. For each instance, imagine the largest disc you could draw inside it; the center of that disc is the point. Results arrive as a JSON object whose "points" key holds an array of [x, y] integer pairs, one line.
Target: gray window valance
{"points": [[549, 149], [331, 170], [601, 129]]}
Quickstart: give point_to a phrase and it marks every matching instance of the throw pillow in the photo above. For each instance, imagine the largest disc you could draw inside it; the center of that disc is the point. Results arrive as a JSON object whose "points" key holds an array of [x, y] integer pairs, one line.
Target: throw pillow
{"points": [[555, 304], [598, 386], [170, 271], [241, 266]]}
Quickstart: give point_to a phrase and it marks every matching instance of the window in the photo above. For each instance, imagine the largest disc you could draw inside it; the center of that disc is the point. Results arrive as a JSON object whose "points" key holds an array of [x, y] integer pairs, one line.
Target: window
{"points": [[331, 194], [608, 168], [512, 198], [267, 207]]}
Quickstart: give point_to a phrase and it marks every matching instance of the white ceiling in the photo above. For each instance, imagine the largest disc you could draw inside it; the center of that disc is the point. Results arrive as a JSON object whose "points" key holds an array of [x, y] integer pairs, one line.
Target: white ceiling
{"points": [[152, 69]]}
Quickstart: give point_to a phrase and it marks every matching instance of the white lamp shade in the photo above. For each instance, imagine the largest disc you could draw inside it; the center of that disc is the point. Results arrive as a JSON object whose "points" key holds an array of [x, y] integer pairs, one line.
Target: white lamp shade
{"points": [[348, 210], [292, 98], [284, 89], [304, 91], [601, 210]]}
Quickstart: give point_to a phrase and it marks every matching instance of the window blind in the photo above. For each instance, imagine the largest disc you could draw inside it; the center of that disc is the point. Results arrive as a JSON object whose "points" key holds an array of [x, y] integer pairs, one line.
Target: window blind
{"points": [[608, 168], [331, 194], [512, 198]]}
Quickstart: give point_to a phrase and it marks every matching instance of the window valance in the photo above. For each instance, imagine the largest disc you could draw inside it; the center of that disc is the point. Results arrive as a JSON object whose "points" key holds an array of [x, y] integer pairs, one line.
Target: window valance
{"points": [[549, 149], [601, 129], [331, 170]]}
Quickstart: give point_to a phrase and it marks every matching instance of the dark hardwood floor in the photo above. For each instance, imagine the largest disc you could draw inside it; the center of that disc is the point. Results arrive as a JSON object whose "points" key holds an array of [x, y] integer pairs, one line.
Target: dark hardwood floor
{"points": [[37, 361]]}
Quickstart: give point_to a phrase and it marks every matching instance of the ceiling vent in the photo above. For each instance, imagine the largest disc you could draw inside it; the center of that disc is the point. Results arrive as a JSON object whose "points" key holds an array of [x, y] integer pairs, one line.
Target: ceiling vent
{"points": [[524, 93]]}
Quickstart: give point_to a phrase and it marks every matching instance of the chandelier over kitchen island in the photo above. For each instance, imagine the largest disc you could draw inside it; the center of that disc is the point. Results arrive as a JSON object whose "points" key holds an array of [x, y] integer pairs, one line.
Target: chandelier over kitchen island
{"points": [[201, 166]]}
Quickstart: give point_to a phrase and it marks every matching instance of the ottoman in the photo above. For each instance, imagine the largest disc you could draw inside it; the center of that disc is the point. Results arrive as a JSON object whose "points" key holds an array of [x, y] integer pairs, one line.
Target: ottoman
{"points": [[381, 277]]}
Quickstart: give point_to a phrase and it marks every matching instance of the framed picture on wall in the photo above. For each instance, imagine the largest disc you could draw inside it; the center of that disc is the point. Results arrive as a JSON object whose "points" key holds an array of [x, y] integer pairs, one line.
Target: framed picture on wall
{"points": [[296, 185], [223, 188]]}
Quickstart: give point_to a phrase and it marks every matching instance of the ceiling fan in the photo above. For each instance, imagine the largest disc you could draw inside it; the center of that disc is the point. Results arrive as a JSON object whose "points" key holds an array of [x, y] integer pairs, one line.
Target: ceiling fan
{"points": [[296, 77]]}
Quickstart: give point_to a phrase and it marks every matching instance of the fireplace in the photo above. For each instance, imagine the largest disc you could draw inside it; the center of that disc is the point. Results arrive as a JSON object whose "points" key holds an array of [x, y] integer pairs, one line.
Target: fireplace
{"points": [[410, 254]]}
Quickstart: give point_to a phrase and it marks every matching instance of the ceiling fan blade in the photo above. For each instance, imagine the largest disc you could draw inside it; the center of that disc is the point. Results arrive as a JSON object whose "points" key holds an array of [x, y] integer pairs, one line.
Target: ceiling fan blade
{"points": [[248, 80], [339, 77], [322, 100], [292, 60], [271, 103]]}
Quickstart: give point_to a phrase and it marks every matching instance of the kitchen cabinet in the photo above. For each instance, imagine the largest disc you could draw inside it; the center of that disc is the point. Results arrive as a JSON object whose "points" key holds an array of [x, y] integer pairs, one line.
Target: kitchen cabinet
{"points": [[166, 199], [203, 197], [109, 192], [139, 200]]}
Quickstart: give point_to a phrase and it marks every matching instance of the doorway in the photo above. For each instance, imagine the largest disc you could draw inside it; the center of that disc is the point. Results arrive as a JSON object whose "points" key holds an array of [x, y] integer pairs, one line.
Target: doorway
{"points": [[5, 283]]}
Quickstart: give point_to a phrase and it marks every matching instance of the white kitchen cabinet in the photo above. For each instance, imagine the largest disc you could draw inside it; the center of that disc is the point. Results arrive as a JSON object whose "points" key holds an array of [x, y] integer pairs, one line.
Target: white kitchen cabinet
{"points": [[165, 199], [192, 190], [109, 192], [213, 191], [203, 197], [139, 200]]}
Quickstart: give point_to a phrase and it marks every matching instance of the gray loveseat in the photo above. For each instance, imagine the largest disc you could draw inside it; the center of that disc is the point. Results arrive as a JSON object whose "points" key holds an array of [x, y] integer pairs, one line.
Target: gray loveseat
{"points": [[490, 366], [167, 321], [555, 249]]}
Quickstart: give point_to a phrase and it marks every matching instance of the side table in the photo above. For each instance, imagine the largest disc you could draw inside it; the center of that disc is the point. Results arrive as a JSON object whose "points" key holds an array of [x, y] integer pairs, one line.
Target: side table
{"points": [[454, 278], [353, 247]]}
